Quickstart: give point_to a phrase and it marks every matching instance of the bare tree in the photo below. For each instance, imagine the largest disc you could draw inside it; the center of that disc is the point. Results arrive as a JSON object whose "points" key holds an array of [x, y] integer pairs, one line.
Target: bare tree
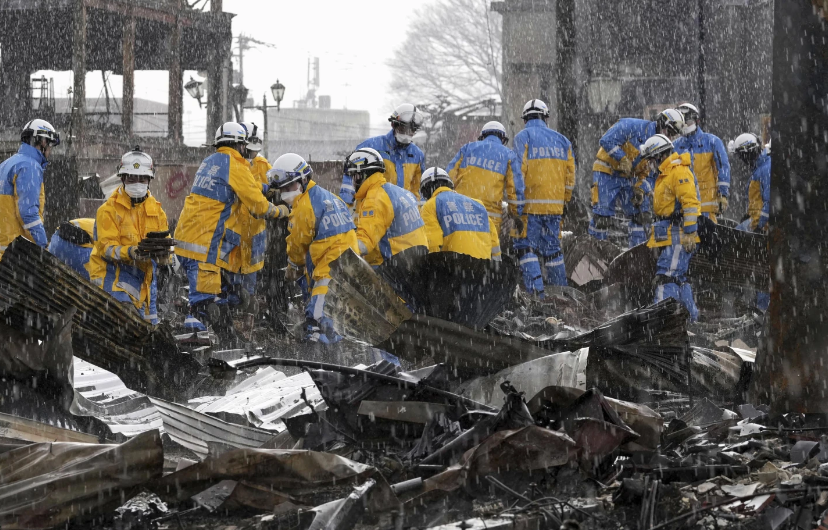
{"points": [[452, 50]]}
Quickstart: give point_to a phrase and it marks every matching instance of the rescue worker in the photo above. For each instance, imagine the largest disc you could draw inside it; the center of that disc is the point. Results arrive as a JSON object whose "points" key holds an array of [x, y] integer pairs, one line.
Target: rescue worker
{"points": [[454, 222], [72, 243], [749, 150], [223, 190], [320, 229], [483, 169], [619, 175], [388, 221], [708, 160], [548, 168], [404, 161], [676, 207], [21, 185], [253, 231], [118, 263]]}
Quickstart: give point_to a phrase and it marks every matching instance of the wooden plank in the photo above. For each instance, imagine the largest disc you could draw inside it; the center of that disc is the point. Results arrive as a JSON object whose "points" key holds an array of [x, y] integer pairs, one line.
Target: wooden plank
{"points": [[35, 431]]}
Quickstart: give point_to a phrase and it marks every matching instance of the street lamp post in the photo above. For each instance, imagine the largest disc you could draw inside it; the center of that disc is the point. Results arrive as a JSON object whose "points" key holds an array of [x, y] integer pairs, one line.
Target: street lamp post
{"points": [[278, 91]]}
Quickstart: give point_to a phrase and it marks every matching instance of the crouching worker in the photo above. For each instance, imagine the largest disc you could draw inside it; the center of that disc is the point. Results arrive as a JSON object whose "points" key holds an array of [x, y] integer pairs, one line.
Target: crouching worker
{"points": [[72, 243], [454, 222], [320, 229], [124, 257], [390, 232], [676, 207]]}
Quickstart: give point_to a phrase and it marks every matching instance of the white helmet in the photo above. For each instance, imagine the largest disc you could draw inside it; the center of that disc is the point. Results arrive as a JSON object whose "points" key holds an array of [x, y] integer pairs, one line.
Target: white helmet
{"points": [[535, 107], [433, 178], [407, 114], [254, 139], [656, 145], [40, 128], [231, 133], [670, 120], [496, 128], [287, 169], [689, 111], [137, 162], [744, 143]]}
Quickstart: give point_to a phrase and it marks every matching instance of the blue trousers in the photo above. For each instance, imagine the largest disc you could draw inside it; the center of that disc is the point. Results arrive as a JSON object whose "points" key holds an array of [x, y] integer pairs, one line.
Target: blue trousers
{"points": [[673, 263], [762, 297], [541, 241], [612, 191]]}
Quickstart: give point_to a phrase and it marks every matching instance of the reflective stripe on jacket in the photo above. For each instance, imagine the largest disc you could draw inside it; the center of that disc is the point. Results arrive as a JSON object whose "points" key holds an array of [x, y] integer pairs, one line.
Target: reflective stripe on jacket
{"points": [[623, 139], [387, 220], [118, 226], [320, 230], [456, 223], [404, 165], [22, 197], [675, 201], [483, 169], [548, 168], [207, 225], [253, 231], [708, 160], [759, 192]]}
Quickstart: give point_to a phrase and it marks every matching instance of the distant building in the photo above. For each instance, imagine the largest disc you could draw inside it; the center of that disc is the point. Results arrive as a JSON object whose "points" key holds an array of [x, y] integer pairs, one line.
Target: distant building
{"points": [[149, 117], [316, 133]]}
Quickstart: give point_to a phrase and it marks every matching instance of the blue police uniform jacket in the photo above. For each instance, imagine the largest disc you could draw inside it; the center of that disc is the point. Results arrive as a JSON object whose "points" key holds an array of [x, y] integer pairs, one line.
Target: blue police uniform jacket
{"points": [[22, 197], [710, 165], [404, 165]]}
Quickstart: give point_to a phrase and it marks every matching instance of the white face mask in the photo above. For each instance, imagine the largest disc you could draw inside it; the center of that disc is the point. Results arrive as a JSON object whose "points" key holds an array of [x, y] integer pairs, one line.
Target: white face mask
{"points": [[688, 129], [137, 190], [290, 196], [403, 139]]}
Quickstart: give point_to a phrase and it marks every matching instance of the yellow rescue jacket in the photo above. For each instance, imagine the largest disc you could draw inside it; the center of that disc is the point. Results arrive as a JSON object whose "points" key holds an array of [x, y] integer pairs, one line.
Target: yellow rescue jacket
{"points": [[320, 229], [456, 223], [208, 228], [253, 231], [548, 168], [387, 219], [118, 226], [675, 201]]}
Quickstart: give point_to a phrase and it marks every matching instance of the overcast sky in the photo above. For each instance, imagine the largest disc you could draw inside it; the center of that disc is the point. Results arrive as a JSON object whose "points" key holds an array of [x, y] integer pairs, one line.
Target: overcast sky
{"points": [[354, 39]]}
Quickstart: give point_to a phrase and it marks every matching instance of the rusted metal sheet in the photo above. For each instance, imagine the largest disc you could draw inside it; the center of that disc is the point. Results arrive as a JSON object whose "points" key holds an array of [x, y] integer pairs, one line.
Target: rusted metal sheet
{"points": [[37, 285]]}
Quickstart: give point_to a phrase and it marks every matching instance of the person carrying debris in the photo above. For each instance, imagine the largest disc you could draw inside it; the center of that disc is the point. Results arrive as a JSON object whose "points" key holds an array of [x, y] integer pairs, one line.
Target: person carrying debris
{"points": [[21, 185], [131, 238], [72, 243], [676, 207], [483, 169], [548, 168], [747, 147], [619, 174], [404, 161], [454, 222], [708, 161], [320, 229], [253, 231], [224, 189]]}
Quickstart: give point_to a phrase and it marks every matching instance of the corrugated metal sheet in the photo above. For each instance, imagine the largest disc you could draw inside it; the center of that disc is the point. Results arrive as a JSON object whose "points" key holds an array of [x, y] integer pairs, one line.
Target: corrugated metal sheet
{"points": [[36, 285], [195, 430]]}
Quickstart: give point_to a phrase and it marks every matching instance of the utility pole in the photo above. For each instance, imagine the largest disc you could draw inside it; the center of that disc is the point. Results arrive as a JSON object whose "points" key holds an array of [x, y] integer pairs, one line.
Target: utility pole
{"points": [[264, 118]]}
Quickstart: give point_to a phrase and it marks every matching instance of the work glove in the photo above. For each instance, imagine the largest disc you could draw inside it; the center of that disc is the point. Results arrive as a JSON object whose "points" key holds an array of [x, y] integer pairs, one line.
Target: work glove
{"points": [[722, 200], [602, 222], [643, 218], [518, 231], [688, 241], [625, 166], [283, 210], [638, 196]]}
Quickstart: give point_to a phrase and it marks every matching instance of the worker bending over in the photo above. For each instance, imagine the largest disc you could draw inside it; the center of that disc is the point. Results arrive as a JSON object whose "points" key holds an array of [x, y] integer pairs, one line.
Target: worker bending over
{"points": [[128, 226], [320, 229], [676, 207], [224, 189], [72, 243], [21, 185], [454, 222]]}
